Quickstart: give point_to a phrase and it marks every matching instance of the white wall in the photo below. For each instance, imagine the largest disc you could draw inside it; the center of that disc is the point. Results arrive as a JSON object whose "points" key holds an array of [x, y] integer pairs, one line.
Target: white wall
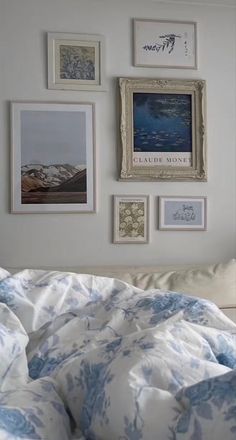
{"points": [[82, 239]]}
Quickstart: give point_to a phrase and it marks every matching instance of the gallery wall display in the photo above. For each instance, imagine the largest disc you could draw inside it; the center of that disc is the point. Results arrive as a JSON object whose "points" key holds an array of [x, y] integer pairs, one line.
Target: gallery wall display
{"points": [[163, 129], [131, 219], [76, 61], [183, 213], [162, 43], [53, 157]]}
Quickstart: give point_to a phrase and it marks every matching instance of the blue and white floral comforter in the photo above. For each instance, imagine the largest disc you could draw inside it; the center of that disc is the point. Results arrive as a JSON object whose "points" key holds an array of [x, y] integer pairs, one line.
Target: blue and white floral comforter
{"points": [[95, 358]]}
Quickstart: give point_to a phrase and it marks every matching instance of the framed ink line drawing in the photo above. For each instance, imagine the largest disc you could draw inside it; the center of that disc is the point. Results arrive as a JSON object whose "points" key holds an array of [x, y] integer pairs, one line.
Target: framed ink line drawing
{"points": [[131, 219], [162, 129], [162, 43], [76, 61], [182, 213], [53, 157]]}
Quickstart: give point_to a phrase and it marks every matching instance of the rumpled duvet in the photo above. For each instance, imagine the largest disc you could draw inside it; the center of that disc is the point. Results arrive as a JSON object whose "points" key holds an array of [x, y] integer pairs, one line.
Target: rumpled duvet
{"points": [[98, 359]]}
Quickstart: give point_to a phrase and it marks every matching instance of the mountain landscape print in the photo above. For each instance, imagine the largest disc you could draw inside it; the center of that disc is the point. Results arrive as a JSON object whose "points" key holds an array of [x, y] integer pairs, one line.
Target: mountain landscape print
{"points": [[53, 157], [56, 183]]}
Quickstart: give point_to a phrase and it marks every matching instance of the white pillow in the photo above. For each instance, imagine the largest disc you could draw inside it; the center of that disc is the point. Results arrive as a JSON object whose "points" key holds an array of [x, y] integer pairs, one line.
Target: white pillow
{"points": [[216, 282]]}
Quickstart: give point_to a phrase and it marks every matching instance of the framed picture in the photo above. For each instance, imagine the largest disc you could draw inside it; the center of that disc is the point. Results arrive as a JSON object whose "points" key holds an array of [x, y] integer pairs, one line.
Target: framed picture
{"points": [[131, 219], [163, 129], [182, 213], [162, 43], [53, 157], [75, 61]]}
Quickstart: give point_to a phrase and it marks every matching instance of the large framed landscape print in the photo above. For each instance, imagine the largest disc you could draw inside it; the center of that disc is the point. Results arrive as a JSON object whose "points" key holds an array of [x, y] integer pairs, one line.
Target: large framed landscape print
{"points": [[163, 129], [52, 157], [179, 213]]}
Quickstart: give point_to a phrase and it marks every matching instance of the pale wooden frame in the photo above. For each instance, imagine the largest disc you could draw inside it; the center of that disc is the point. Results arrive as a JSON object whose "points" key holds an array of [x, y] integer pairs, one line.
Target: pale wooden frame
{"points": [[99, 43], [198, 170], [16, 206], [117, 199], [194, 66], [161, 213]]}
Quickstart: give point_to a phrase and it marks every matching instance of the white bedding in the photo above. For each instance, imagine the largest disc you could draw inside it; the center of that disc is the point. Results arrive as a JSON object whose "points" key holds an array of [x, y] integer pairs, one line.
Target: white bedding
{"points": [[94, 356]]}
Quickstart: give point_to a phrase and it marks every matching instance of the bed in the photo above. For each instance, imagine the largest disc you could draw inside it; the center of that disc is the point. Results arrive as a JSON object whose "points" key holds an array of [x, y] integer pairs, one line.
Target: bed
{"points": [[118, 353]]}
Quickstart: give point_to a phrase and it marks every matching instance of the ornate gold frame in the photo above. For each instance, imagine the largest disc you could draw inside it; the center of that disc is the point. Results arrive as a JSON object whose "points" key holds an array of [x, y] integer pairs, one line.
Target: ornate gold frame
{"points": [[198, 169]]}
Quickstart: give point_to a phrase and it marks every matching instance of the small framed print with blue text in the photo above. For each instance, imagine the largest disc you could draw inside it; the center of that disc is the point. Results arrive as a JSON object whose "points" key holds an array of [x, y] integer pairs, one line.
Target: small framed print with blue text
{"points": [[182, 213]]}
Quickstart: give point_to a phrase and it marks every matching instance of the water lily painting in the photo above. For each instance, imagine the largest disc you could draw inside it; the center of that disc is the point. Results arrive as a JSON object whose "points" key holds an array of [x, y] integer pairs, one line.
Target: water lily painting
{"points": [[162, 123], [52, 157], [75, 61], [162, 43], [162, 129], [131, 223], [182, 213]]}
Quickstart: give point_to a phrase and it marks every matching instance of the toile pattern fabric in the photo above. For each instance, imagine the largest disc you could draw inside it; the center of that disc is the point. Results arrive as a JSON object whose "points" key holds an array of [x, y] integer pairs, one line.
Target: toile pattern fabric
{"points": [[86, 357]]}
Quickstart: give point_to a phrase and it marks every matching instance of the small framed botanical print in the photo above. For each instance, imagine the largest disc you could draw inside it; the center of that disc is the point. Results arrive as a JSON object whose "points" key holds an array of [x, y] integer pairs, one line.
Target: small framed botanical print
{"points": [[75, 61], [164, 43], [131, 219], [182, 213]]}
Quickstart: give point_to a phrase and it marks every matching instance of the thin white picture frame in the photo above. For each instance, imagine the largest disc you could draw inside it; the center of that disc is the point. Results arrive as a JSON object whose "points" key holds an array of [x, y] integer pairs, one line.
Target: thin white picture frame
{"points": [[131, 219], [182, 213], [165, 44], [76, 61], [53, 162]]}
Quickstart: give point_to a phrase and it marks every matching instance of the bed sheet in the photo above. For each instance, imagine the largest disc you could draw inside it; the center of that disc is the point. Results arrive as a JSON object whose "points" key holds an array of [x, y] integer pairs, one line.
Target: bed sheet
{"points": [[98, 359]]}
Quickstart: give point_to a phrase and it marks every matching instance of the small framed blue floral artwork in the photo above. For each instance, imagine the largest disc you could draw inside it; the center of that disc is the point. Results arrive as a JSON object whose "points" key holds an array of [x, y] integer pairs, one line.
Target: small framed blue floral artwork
{"points": [[162, 43], [75, 61], [182, 213]]}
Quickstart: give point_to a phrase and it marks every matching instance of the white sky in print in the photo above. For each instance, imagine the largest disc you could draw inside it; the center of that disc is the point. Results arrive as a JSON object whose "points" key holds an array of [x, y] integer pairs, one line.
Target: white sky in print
{"points": [[53, 137]]}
